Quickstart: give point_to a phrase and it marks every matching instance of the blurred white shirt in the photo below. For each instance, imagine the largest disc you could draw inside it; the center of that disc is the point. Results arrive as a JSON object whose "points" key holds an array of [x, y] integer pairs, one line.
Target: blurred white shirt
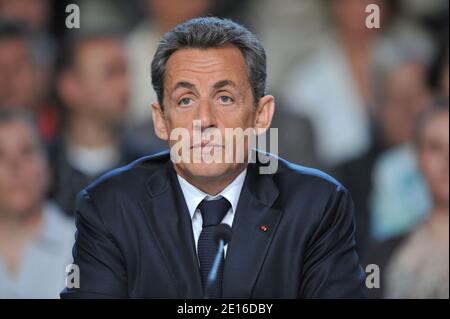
{"points": [[41, 274], [324, 91]]}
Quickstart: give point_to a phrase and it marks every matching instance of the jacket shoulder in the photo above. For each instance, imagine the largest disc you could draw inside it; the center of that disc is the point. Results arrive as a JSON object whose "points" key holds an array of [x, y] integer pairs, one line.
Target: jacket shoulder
{"points": [[134, 173], [298, 175]]}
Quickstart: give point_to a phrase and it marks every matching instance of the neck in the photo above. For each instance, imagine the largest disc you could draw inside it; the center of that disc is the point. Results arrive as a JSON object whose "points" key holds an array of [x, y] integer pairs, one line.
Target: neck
{"points": [[13, 228], [211, 185], [86, 131], [15, 233]]}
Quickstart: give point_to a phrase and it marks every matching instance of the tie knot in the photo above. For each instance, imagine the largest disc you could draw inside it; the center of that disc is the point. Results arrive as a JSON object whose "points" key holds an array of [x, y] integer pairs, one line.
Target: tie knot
{"points": [[213, 211]]}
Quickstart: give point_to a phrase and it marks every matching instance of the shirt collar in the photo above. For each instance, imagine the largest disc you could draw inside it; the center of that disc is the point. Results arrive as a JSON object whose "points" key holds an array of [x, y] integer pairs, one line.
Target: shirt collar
{"points": [[194, 196]]}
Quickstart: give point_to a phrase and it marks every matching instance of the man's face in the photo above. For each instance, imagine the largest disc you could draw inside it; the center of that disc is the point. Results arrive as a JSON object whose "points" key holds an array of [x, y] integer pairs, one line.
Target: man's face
{"points": [[102, 80], [23, 174], [433, 156], [406, 96], [18, 87], [210, 85]]}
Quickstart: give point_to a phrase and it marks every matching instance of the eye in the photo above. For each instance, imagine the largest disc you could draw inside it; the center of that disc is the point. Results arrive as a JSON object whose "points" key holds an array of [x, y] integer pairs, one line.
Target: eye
{"points": [[225, 100], [184, 102]]}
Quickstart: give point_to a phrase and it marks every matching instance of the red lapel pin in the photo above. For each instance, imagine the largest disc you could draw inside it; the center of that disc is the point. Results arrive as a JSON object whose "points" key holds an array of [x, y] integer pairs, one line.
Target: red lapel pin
{"points": [[263, 228]]}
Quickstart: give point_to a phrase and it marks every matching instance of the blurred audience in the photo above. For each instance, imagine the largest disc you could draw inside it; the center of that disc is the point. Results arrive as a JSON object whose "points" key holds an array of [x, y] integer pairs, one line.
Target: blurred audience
{"points": [[35, 237], [93, 86], [35, 17], [24, 81], [33, 13], [399, 199], [332, 87], [416, 265]]}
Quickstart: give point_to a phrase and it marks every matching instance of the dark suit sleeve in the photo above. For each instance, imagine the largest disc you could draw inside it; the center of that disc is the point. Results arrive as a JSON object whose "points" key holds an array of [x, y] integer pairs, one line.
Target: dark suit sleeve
{"points": [[331, 268], [102, 272]]}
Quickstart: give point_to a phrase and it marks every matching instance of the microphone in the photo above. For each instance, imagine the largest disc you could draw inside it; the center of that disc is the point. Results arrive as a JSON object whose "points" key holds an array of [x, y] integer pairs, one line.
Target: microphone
{"points": [[222, 235]]}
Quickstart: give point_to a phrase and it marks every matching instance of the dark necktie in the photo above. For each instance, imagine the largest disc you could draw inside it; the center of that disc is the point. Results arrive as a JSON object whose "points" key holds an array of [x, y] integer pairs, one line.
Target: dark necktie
{"points": [[213, 212]]}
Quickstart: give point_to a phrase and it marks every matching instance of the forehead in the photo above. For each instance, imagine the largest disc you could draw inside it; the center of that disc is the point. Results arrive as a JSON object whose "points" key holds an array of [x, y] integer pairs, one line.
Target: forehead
{"points": [[212, 64]]}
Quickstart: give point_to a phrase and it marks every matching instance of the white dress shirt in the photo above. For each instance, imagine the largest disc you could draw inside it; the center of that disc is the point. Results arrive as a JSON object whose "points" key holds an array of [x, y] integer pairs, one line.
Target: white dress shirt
{"points": [[194, 196]]}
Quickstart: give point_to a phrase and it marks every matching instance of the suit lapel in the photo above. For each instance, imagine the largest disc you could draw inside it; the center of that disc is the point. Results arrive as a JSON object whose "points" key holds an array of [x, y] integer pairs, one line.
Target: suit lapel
{"points": [[249, 243], [169, 221]]}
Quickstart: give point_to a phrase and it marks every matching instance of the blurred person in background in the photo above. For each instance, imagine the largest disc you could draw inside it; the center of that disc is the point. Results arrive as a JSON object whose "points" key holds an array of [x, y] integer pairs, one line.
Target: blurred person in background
{"points": [[34, 13], [24, 79], [393, 197], [332, 87], [35, 237], [388, 168], [399, 199], [416, 265], [93, 86], [334, 90], [35, 16]]}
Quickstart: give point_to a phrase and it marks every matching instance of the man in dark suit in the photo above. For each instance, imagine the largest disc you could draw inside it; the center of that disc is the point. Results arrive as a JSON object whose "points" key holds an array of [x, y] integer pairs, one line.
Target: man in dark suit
{"points": [[147, 230]]}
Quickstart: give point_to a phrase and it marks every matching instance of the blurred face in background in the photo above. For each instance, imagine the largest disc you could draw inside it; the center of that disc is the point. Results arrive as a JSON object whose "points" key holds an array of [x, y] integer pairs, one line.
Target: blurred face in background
{"points": [[23, 174], [405, 97], [98, 85], [169, 13], [433, 149], [33, 13], [19, 86]]}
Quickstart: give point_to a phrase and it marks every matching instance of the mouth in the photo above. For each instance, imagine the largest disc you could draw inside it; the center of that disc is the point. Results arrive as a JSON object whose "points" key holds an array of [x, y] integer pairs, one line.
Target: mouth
{"points": [[206, 144]]}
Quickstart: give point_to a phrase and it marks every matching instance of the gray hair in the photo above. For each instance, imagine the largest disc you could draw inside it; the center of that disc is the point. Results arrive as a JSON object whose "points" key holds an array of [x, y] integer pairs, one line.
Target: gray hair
{"points": [[211, 32]]}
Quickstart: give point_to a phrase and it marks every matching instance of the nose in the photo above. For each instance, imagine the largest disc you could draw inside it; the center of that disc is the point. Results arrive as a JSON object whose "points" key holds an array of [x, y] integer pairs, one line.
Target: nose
{"points": [[206, 115]]}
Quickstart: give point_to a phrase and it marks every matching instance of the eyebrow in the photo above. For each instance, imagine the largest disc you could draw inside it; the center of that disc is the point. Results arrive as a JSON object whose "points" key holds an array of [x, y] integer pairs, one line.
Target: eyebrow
{"points": [[223, 83], [216, 86], [186, 85]]}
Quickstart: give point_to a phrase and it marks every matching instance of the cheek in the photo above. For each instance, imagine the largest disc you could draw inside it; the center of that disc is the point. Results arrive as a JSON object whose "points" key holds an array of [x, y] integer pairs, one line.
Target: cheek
{"points": [[239, 118], [35, 171], [179, 120], [434, 168], [4, 179]]}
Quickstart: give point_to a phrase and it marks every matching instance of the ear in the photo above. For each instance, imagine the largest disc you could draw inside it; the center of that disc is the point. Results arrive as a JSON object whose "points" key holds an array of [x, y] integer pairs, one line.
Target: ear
{"points": [[159, 122], [264, 113]]}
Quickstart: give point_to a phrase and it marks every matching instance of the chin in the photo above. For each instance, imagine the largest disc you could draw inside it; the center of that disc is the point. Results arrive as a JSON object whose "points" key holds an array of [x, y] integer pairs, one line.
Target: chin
{"points": [[208, 171]]}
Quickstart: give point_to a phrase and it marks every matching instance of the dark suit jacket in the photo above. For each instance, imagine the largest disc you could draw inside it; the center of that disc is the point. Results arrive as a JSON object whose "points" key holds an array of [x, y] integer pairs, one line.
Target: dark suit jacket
{"points": [[135, 239]]}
